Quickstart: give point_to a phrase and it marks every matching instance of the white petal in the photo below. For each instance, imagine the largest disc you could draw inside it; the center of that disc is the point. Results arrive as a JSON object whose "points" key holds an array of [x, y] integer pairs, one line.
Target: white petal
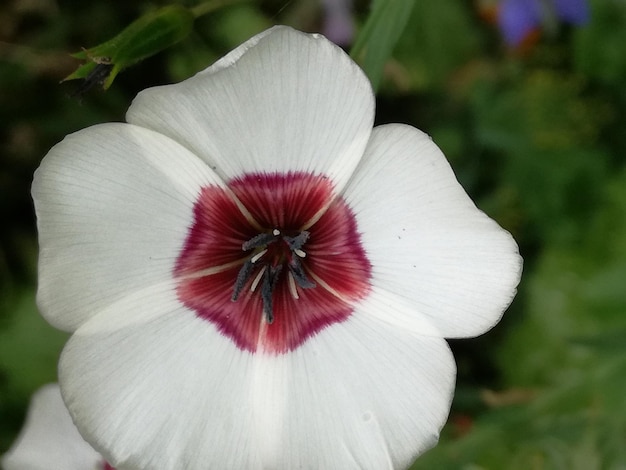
{"points": [[49, 439], [166, 393], [397, 312], [283, 101], [365, 395], [113, 204], [172, 393], [426, 240]]}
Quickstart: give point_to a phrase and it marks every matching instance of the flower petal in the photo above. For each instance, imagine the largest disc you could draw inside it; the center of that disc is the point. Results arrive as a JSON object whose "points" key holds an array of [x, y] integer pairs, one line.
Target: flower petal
{"points": [[118, 386], [359, 395], [49, 439], [426, 240], [284, 101], [366, 396], [113, 204]]}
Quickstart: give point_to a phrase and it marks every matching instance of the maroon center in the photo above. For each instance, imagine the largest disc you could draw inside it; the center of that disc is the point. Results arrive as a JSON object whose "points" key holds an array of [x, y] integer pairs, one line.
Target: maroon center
{"points": [[274, 277]]}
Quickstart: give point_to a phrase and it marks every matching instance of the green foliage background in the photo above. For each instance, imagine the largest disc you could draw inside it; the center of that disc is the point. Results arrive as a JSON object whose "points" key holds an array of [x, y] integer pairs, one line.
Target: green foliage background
{"points": [[536, 136]]}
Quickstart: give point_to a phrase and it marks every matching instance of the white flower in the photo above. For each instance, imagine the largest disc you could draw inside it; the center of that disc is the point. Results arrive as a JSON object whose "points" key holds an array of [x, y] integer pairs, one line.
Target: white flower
{"points": [[255, 278], [49, 440]]}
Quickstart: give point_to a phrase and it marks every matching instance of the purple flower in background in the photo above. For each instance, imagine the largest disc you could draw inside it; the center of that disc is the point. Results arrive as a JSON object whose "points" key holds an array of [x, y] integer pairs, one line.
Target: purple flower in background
{"points": [[519, 18], [338, 23]]}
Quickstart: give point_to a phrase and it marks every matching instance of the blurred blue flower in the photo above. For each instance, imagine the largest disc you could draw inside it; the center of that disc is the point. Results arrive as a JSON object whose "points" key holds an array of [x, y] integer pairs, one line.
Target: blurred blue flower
{"points": [[519, 18], [338, 23]]}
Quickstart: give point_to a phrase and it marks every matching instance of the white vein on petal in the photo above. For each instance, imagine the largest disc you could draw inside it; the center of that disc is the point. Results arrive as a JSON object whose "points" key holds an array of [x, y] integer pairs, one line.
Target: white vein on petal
{"points": [[395, 311], [115, 316], [77, 195], [219, 141]]}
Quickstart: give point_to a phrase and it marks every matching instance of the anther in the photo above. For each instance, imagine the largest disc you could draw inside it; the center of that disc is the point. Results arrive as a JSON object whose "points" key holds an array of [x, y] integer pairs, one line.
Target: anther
{"points": [[262, 239], [268, 268], [269, 282], [242, 277], [296, 269], [297, 242]]}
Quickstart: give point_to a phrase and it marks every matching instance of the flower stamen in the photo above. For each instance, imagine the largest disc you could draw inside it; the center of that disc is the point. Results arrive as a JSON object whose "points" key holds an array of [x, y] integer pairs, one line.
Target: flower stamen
{"points": [[242, 277], [269, 282], [296, 243], [258, 256], [270, 252], [257, 279], [262, 239], [297, 271], [292, 286]]}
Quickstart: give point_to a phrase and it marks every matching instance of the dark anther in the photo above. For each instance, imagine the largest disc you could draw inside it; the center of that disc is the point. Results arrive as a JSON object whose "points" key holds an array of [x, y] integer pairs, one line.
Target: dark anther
{"points": [[268, 262], [262, 239], [242, 277], [296, 269], [297, 242], [269, 282]]}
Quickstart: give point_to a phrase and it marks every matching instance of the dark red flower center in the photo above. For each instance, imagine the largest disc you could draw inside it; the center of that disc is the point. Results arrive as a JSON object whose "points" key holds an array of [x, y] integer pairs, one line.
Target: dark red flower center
{"points": [[272, 260]]}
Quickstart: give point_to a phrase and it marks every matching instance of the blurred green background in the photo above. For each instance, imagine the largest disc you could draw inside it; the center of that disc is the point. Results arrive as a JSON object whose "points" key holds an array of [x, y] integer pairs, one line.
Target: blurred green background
{"points": [[535, 133]]}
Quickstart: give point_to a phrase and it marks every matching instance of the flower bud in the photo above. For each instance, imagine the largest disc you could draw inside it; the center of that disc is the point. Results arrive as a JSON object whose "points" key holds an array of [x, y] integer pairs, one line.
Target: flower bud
{"points": [[143, 38]]}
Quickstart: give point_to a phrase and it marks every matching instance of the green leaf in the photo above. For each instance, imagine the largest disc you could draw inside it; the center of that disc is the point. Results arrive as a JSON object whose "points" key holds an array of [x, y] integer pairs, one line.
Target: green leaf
{"points": [[143, 38], [375, 42]]}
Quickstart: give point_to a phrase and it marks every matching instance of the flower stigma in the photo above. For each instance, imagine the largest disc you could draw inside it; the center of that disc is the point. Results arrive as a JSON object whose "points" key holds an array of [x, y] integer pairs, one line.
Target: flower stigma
{"points": [[271, 252]]}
